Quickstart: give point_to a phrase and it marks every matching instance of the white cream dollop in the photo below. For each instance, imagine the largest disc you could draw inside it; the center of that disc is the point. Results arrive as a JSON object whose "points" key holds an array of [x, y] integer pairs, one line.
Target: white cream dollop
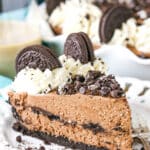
{"points": [[135, 35], [76, 67], [76, 16], [34, 81]]}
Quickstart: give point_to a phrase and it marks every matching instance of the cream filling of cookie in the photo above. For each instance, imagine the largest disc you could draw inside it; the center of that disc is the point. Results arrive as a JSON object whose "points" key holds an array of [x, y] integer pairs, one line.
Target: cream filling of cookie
{"points": [[34, 81], [135, 35], [76, 16]]}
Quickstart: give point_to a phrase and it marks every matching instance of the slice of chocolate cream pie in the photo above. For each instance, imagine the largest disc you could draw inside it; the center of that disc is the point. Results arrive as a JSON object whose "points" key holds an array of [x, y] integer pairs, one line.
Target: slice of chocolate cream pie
{"points": [[70, 100]]}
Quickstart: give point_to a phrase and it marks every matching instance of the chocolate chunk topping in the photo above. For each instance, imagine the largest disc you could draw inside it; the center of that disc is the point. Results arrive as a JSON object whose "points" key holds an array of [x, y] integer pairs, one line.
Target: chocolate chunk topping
{"points": [[36, 56], [52, 4], [79, 46], [116, 93], [79, 78], [94, 83], [111, 20], [104, 91], [93, 75]]}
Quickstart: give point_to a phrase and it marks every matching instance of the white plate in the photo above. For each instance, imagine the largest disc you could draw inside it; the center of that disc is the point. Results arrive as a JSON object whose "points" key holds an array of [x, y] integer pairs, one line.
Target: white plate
{"points": [[139, 104], [122, 62]]}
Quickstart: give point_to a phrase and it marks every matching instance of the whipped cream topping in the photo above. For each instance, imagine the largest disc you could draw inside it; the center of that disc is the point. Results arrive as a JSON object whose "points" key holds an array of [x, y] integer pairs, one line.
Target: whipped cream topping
{"points": [[134, 35], [76, 16], [75, 67], [34, 81]]}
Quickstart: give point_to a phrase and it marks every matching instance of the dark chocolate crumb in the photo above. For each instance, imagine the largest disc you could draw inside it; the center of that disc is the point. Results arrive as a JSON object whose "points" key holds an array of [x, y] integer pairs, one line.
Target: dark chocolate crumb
{"points": [[144, 91], [19, 139], [87, 16], [29, 148], [79, 78], [42, 148], [118, 128], [104, 91], [92, 63], [116, 93], [107, 142], [49, 85], [47, 142], [127, 39], [16, 126]]}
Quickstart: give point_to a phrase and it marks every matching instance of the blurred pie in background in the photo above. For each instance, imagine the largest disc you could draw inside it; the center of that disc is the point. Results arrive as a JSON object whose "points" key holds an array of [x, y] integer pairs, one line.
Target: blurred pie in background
{"points": [[131, 31], [75, 16]]}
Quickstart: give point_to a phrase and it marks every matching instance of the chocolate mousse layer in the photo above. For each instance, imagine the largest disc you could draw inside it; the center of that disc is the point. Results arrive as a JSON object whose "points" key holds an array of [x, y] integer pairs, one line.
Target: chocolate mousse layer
{"points": [[93, 121]]}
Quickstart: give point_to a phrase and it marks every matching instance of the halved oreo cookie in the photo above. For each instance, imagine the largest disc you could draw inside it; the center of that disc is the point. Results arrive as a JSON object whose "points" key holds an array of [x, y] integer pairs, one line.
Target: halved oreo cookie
{"points": [[36, 56], [89, 46], [111, 20], [79, 46]]}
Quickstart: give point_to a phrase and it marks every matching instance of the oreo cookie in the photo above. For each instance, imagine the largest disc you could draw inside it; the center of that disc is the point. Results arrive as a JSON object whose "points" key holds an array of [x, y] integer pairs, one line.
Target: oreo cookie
{"points": [[111, 20], [79, 47], [52, 4], [36, 56], [88, 45]]}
